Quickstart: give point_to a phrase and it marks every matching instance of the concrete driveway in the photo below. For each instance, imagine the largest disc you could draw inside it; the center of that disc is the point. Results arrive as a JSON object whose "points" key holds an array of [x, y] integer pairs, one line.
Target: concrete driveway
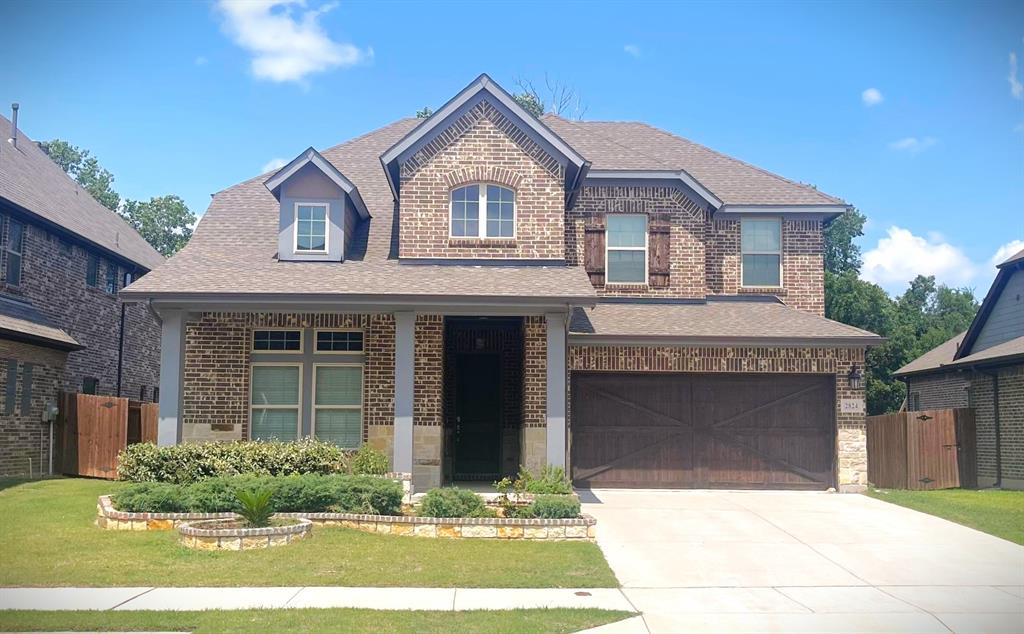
{"points": [[754, 561]]}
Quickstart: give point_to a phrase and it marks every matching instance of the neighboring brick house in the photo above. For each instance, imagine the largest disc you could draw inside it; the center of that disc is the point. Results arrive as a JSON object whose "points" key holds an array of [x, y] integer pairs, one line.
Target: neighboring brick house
{"points": [[63, 259], [983, 368], [482, 290]]}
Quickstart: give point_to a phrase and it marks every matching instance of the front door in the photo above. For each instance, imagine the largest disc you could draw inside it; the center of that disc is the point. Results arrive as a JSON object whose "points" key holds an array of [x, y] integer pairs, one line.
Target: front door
{"points": [[477, 441]]}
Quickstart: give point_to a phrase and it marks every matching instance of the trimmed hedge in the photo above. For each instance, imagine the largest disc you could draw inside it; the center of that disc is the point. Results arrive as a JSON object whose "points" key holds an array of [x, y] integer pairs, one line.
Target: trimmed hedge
{"points": [[453, 502], [290, 494], [551, 507], [192, 462]]}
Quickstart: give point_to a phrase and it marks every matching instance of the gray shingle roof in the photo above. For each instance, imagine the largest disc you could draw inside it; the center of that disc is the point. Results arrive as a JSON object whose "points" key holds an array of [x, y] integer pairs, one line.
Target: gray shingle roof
{"points": [[935, 358], [21, 320], [716, 322], [1016, 257], [626, 145], [941, 357], [29, 179]]}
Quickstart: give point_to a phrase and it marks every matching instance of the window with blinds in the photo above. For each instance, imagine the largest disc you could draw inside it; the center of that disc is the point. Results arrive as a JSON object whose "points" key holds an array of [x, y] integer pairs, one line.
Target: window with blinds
{"points": [[338, 404], [275, 402]]}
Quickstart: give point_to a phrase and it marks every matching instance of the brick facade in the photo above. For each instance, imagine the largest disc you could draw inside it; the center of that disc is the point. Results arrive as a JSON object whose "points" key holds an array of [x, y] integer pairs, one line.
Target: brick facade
{"points": [[937, 391], [850, 428], [482, 146], [1011, 425], [24, 438]]}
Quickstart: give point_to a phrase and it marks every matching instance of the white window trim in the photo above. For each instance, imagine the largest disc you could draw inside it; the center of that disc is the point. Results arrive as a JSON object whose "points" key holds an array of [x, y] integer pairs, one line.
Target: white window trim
{"points": [[316, 338], [295, 227], [298, 404], [315, 407], [481, 211], [608, 248], [302, 341], [777, 219]]}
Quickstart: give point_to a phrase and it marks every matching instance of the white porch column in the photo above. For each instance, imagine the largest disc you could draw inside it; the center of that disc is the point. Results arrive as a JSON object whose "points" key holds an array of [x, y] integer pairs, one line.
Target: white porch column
{"points": [[405, 369], [172, 367], [556, 432]]}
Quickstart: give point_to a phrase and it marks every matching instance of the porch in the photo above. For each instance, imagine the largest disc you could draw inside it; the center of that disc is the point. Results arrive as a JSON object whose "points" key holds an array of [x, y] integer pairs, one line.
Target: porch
{"points": [[447, 395]]}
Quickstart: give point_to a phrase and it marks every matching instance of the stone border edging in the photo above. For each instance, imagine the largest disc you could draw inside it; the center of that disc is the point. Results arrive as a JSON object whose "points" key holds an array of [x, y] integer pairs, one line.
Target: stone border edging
{"points": [[194, 536], [581, 528]]}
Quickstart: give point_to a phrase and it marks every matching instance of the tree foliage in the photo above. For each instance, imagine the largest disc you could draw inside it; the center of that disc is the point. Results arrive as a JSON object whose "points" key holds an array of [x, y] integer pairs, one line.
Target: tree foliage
{"points": [[557, 97], [424, 112], [925, 315], [165, 222]]}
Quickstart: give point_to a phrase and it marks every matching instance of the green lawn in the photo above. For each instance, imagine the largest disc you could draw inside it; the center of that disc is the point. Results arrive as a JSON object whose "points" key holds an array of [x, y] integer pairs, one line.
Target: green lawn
{"points": [[48, 538], [999, 513], [310, 620]]}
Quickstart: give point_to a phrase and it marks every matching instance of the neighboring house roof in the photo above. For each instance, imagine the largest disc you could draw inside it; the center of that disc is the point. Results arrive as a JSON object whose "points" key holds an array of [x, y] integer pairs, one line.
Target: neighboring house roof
{"points": [[32, 182], [20, 321], [1006, 351], [939, 356], [1016, 257], [629, 145], [718, 322]]}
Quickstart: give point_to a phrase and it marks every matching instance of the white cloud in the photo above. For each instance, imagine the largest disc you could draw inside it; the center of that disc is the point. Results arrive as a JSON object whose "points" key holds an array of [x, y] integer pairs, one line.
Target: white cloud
{"points": [[1004, 252], [286, 44], [912, 144], [273, 165], [632, 50], [201, 61], [1016, 87], [872, 97], [901, 256]]}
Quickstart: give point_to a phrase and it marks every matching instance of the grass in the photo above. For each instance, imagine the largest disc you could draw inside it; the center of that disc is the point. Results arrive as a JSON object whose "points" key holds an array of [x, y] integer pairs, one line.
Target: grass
{"points": [[999, 513], [48, 539], [310, 620]]}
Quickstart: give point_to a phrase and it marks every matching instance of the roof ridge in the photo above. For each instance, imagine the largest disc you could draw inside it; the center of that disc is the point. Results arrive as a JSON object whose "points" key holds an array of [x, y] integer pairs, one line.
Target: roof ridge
{"points": [[740, 161]]}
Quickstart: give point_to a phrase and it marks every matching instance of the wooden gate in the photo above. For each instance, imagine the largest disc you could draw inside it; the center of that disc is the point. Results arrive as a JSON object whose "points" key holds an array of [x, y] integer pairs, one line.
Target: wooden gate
{"points": [[932, 449], [91, 430]]}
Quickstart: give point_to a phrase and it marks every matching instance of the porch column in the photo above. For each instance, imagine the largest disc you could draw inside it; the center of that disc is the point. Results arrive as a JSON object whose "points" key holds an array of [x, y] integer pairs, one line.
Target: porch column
{"points": [[405, 342], [556, 389], [172, 369]]}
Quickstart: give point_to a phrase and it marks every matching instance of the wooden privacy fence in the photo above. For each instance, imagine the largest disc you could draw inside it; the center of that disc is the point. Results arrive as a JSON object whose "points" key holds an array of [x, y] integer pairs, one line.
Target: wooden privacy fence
{"points": [[933, 449], [91, 430]]}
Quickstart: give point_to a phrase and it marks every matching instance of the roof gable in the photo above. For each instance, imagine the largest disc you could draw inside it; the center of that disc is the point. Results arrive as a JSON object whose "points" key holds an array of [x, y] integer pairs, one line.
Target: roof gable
{"points": [[483, 89], [315, 159], [1010, 273]]}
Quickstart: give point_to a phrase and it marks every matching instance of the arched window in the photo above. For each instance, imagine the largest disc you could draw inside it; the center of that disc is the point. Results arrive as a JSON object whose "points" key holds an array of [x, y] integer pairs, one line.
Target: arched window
{"points": [[483, 211]]}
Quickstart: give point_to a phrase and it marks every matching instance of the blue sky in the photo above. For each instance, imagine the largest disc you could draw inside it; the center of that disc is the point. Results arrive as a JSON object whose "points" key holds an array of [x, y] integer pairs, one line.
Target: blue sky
{"points": [[913, 112]]}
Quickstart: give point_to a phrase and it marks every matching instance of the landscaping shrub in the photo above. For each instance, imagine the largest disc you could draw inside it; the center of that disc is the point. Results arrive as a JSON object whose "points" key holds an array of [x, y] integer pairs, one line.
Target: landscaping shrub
{"points": [[550, 480], [551, 507], [369, 461], [453, 502], [255, 507], [291, 494], [192, 462]]}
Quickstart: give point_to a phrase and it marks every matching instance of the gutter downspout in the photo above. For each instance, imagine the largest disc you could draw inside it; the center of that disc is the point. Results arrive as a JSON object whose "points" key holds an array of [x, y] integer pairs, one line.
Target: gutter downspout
{"points": [[998, 430]]}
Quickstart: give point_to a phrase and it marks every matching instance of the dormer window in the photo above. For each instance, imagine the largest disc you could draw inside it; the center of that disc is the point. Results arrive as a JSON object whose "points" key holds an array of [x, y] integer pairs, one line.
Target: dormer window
{"points": [[311, 228], [483, 211]]}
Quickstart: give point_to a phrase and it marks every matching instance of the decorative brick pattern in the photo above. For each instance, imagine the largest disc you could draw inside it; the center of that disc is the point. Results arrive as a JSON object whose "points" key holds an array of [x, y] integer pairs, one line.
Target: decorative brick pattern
{"points": [[687, 228], [482, 146], [851, 440], [803, 263], [24, 438]]}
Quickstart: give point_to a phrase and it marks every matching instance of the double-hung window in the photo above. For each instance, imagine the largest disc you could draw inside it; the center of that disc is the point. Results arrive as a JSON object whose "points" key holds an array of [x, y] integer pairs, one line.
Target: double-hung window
{"points": [[311, 227], [338, 403], [761, 246], [483, 211], [627, 249], [15, 246], [275, 401]]}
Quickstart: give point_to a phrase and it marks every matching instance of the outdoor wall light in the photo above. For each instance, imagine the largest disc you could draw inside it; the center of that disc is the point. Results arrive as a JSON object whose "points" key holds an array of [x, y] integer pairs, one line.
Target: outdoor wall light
{"points": [[856, 377]]}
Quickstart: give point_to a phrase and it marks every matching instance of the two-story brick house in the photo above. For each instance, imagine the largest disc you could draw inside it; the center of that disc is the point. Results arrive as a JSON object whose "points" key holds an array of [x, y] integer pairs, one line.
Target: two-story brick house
{"points": [[483, 289], [63, 259]]}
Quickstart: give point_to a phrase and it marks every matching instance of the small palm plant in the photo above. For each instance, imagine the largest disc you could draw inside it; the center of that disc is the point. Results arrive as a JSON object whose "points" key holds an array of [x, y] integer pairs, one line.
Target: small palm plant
{"points": [[255, 507]]}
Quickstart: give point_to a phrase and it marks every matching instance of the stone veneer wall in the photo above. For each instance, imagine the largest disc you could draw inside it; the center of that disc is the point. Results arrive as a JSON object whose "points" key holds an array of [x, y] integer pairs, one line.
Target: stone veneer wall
{"points": [[851, 436], [803, 263], [686, 238], [1011, 426], [217, 358], [482, 146], [23, 435]]}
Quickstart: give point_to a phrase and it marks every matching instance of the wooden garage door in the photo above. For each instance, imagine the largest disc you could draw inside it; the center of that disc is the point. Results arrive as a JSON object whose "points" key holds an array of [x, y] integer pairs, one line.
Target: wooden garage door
{"points": [[684, 430]]}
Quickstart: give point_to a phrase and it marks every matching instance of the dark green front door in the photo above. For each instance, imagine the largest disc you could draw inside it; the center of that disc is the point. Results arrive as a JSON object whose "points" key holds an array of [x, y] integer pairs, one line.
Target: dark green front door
{"points": [[477, 442]]}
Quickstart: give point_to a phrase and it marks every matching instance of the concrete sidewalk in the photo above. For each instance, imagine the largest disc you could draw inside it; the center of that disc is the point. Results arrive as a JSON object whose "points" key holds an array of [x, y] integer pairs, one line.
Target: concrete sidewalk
{"points": [[309, 597]]}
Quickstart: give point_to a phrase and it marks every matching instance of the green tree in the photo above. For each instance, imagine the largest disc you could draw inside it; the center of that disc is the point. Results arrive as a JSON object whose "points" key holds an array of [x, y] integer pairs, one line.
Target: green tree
{"points": [[84, 168], [841, 253], [530, 102], [165, 222], [425, 112]]}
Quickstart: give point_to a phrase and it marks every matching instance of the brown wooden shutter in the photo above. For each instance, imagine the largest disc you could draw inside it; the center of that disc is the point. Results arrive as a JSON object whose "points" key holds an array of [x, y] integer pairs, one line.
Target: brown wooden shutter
{"points": [[659, 231], [593, 248]]}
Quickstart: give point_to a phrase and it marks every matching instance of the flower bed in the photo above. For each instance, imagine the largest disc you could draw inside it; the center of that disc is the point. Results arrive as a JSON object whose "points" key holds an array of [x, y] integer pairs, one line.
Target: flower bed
{"points": [[581, 528], [227, 534]]}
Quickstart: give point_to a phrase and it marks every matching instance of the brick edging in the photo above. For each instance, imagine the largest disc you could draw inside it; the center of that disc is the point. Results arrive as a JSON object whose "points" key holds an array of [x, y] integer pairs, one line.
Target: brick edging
{"points": [[193, 529]]}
